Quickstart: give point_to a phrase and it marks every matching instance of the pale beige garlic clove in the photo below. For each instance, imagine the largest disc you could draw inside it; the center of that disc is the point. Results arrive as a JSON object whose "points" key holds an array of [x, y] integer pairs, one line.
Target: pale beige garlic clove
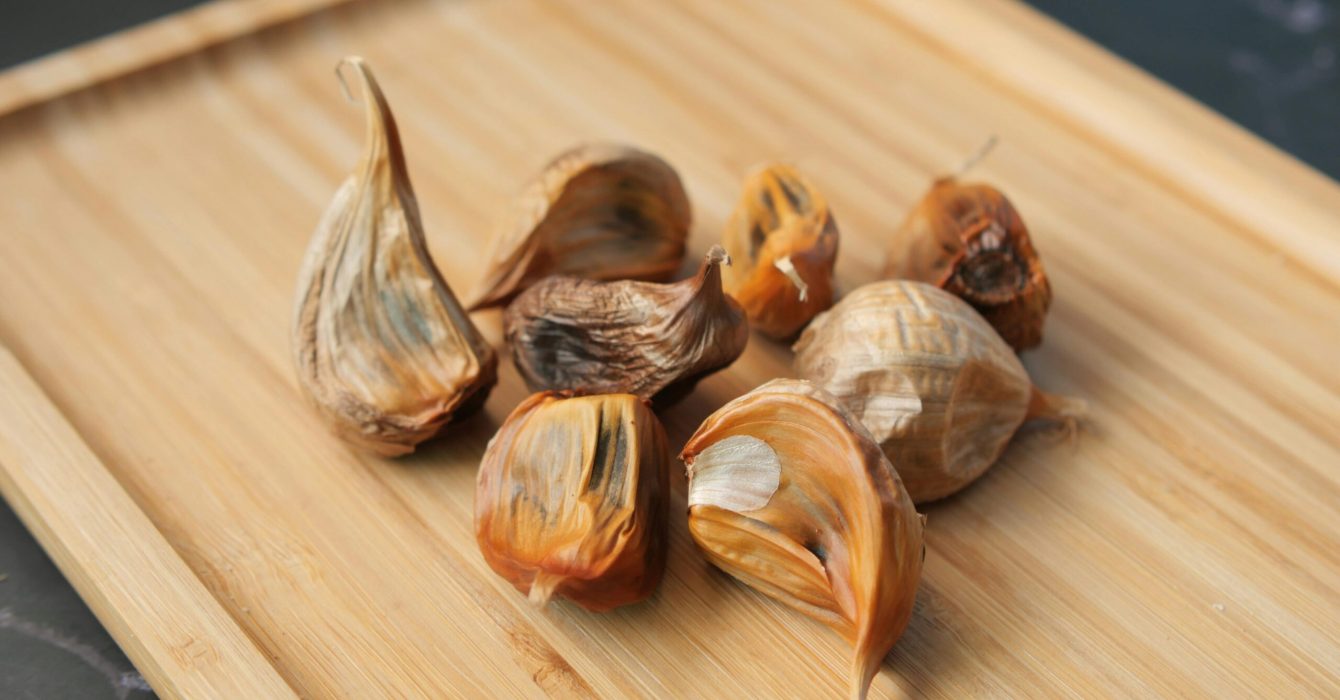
{"points": [[933, 382], [788, 493], [783, 240], [382, 347], [598, 211], [571, 499], [652, 340]]}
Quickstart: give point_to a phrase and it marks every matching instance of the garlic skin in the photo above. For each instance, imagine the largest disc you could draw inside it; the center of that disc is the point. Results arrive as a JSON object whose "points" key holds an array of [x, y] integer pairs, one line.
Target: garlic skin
{"points": [[935, 385], [598, 211], [630, 337], [572, 499], [382, 347], [789, 494], [784, 242], [970, 241]]}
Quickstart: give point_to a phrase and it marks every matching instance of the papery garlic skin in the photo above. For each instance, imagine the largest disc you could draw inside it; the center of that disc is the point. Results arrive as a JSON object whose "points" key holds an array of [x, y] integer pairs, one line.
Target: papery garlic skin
{"points": [[626, 337], [783, 241], [969, 240], [824, 523], [601, 211], [571, 499], [382, 347], [936, 386]]}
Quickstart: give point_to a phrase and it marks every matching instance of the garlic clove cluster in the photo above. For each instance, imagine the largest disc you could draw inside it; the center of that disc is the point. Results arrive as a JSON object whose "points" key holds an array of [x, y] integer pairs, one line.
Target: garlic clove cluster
{"points": [[931, 380], [642, 338], [571, 499], [382, 347], [598, 211], [789, 494], [970, 241], [784, 242]]}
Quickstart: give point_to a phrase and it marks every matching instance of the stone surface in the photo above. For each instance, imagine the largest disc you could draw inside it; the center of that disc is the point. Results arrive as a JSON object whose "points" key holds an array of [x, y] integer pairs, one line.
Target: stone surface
{"points": [[51, 646], [1273, 66]]}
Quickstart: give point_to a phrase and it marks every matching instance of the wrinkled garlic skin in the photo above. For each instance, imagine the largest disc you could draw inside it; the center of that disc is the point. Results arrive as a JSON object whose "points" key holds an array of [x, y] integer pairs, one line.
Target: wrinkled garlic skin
{"points": [[970, 241], [926, 374], [626, 337], [789, 494], [598, 211], [382, 347], [784, 242], [572, 499]]}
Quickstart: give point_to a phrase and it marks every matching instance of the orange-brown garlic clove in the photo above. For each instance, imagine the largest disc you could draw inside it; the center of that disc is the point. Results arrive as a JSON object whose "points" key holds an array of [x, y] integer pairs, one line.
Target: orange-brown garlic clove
{"points": [[652, 340], [931, 380], [969, 240], [571, 499], [789, 494], [382, 347], [598, 211], [783, 241]]}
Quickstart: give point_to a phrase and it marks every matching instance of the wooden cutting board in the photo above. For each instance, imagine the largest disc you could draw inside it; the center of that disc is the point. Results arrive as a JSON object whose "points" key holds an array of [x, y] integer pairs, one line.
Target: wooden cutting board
{"points": [[151, 228]]}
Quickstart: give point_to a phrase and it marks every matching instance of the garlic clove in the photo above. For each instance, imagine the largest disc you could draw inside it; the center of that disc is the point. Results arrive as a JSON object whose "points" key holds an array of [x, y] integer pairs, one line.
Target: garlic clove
{"points": [[382, 347], [651, 340], [817, 517], [571, 499], [970, 241], [784, 241], [931, 380], [598, 211]]}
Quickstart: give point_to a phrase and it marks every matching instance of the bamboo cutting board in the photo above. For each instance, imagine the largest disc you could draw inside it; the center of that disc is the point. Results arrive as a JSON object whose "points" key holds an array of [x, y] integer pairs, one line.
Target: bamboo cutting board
{"points": [[152, 227]]}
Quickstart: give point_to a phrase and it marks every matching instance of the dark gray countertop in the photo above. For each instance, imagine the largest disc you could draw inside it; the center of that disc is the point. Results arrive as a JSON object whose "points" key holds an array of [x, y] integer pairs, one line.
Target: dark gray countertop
{"points": [[1271, 65]]}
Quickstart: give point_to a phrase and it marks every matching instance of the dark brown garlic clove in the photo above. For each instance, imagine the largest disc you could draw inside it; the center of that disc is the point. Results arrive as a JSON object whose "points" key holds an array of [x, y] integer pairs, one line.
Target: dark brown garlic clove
{"points": [[783, 241], [970, 241], [629, 337], [599, 211], [571, 499], [382, 347]]}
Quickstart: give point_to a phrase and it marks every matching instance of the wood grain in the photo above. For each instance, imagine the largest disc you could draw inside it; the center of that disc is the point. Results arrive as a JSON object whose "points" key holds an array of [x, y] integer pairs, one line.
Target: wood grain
{"points": [[171, 627], [153, 42], [1185, 544]]}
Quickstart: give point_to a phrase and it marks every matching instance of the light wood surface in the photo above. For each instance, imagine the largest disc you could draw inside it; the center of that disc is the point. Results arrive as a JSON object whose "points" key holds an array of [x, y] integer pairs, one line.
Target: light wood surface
{"points": [[156, 41], [1184, 544], [174, 630]]}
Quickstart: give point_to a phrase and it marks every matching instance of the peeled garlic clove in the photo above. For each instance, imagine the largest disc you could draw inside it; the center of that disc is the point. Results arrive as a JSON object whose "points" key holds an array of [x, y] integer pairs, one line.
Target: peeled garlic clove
{"points": [[783, 241], [935, 385], [789, 494], [571, 499], [599, 211], [970, 241], [383, 349], [626, 337]]}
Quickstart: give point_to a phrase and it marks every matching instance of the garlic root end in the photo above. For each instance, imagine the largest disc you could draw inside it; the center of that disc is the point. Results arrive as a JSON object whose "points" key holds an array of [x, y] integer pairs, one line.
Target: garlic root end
{"points": [[542, 589], [1064, 410]]}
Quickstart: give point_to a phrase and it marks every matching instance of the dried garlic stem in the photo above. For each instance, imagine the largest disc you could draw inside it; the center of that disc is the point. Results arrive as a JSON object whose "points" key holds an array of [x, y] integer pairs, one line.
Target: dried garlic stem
{"points": [[977, 156], [543, 587], [1052, 407], [784, 265]]}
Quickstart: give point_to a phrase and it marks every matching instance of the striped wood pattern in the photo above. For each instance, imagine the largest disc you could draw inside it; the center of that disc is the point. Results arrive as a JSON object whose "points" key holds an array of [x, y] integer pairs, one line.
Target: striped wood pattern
{"points": [[152, 228]]}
